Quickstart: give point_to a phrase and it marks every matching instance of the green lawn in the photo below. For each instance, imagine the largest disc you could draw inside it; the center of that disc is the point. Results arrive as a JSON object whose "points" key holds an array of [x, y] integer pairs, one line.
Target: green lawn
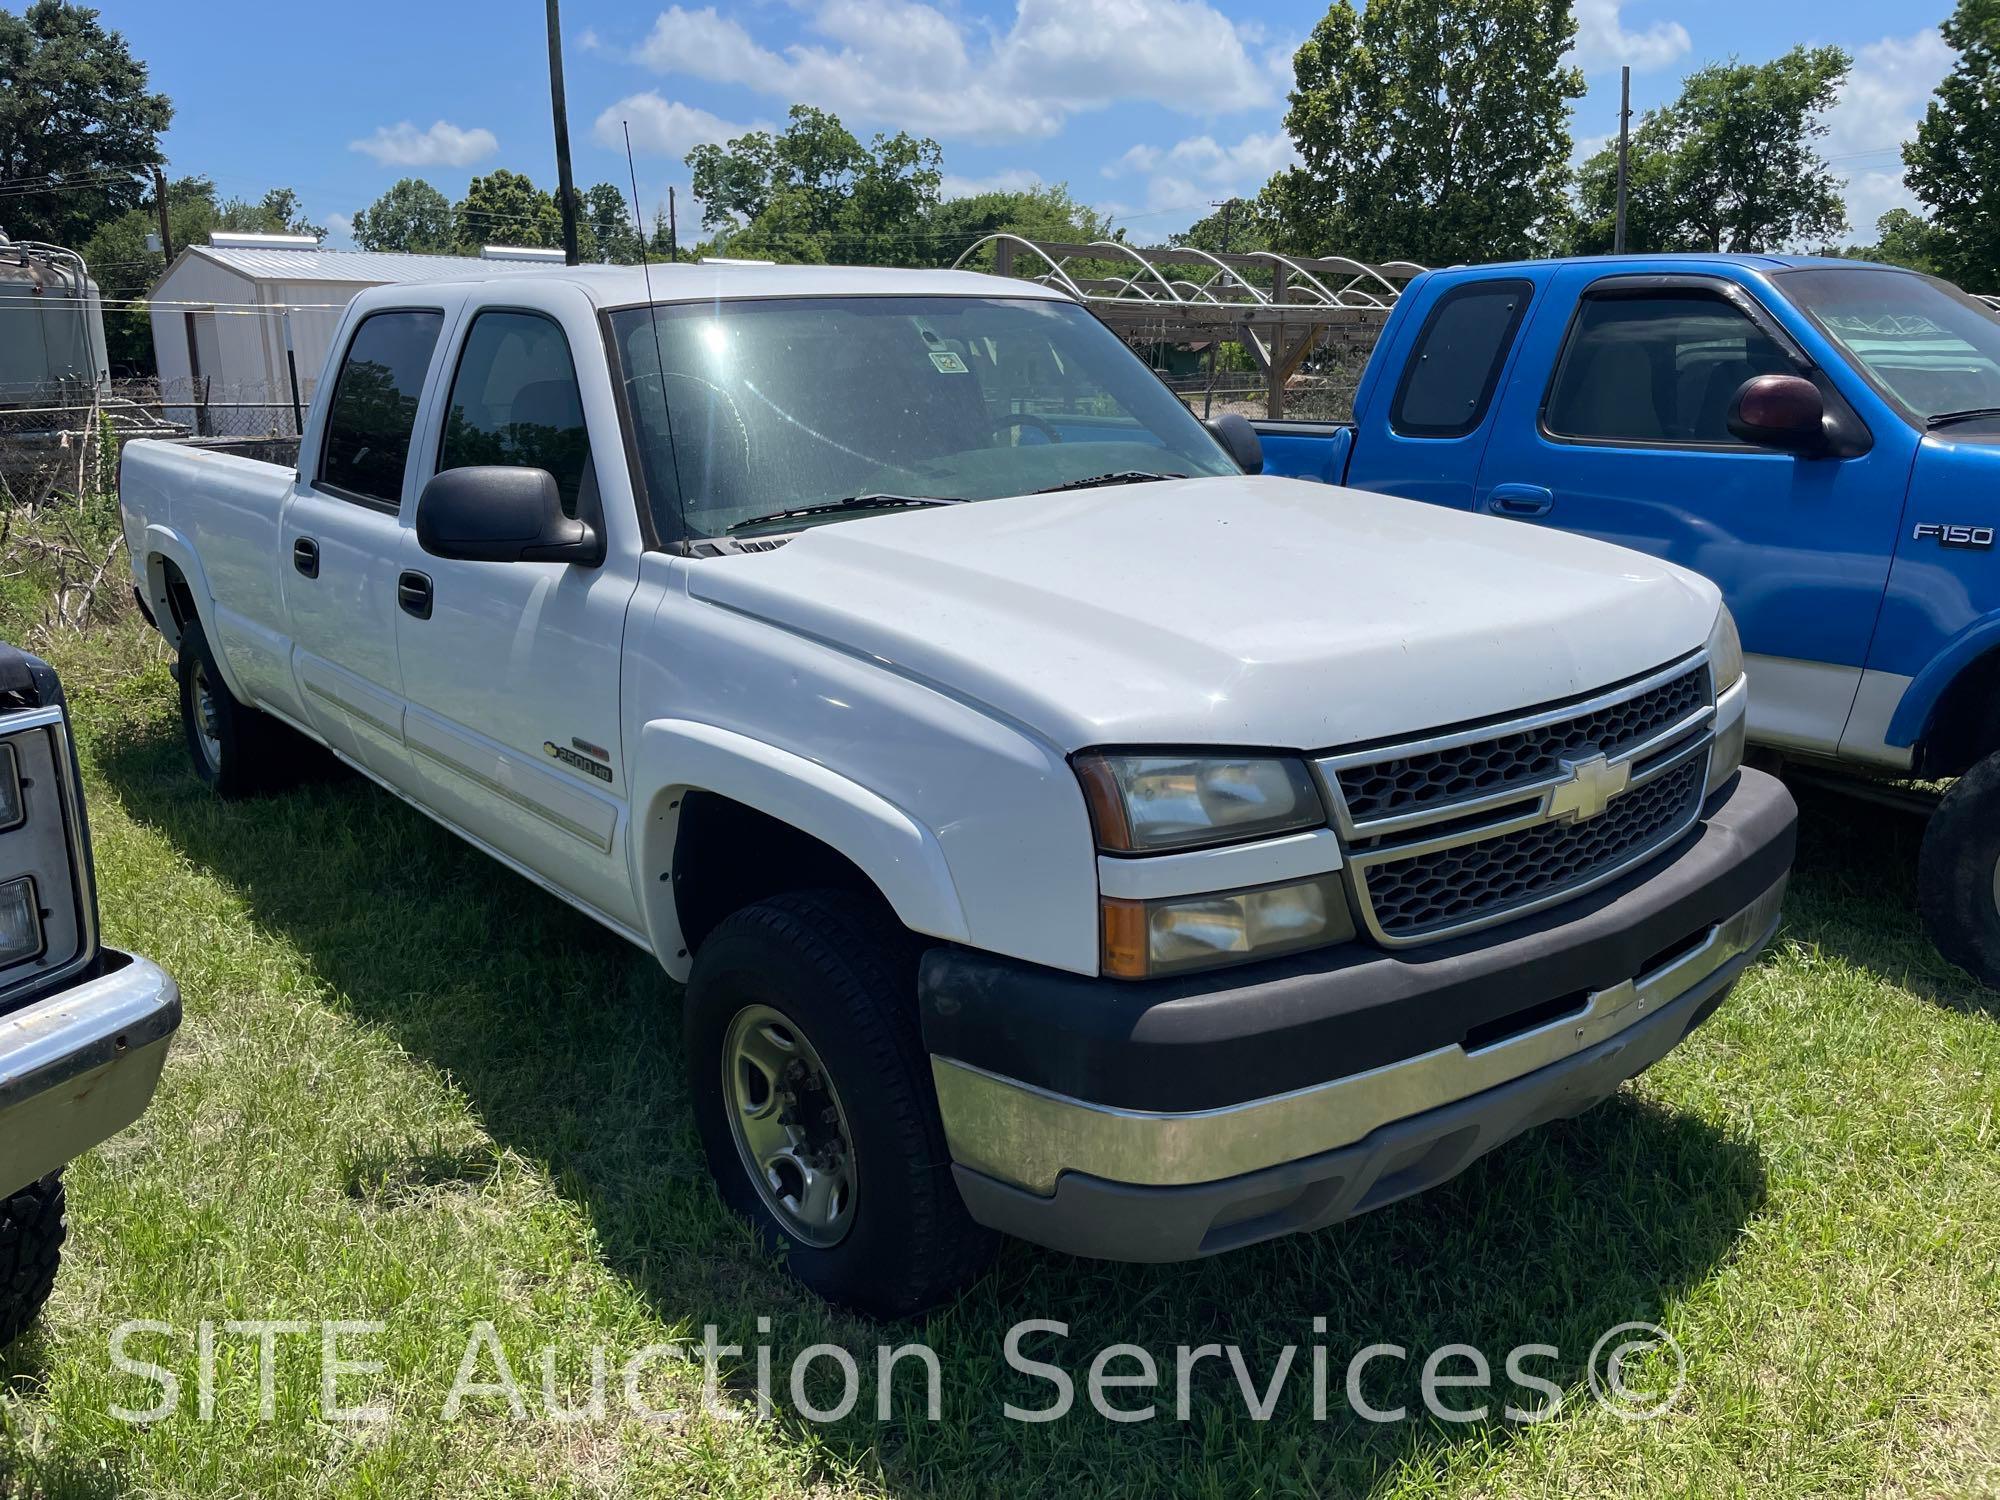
{"points": [[413, 1089]]}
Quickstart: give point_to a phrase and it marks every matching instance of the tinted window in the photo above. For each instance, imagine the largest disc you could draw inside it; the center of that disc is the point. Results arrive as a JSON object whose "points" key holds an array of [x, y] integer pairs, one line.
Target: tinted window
{"points": [[375, 404], [1662, 367], [1457, 359], [514, 401]]}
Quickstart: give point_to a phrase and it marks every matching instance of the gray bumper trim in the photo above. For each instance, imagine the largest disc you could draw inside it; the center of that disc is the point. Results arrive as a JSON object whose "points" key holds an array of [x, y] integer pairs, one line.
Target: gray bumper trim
{"points": [[80, 1065], [1130, 1222]]}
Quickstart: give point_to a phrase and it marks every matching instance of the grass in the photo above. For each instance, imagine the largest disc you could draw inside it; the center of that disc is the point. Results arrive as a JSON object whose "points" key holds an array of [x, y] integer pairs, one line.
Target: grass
{"points": [[412, 1089]]}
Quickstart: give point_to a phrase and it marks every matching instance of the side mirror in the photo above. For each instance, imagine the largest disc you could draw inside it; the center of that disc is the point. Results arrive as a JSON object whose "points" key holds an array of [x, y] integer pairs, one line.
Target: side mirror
{"points": [[1239, 440], [496, 513], [1785, 412]]}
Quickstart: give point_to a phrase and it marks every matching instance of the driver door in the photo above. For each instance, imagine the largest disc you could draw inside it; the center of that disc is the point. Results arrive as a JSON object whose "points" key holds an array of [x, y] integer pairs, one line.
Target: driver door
{"points": [[1628, 442]]}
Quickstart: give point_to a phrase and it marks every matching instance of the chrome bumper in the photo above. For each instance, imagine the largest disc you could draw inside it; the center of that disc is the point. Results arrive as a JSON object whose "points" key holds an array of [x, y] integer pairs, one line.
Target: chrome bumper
{"points": [[80, 1065], [1028, 1138]]}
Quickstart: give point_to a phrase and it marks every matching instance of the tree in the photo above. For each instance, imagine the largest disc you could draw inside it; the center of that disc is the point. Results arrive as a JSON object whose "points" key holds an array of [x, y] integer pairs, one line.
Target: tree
{"points": [[1043, 212], [284, 214], [1903, 238], [1953, 165], [1430, 130], [1730, 165], [410, 216], [1241, 224], [816, 193], [606, 222], [79, 133], [505, 208]]}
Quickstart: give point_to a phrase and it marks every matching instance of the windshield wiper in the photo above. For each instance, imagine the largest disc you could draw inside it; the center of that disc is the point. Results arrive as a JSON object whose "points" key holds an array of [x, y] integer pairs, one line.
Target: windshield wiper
{"points": [[1946, 418], [851, 502], [1116, 476]]}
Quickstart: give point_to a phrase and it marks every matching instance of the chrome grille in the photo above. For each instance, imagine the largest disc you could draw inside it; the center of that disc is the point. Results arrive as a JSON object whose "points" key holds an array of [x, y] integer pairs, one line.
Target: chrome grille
{"points": [[1415, 897], [1433, 778], [1476, 825]]}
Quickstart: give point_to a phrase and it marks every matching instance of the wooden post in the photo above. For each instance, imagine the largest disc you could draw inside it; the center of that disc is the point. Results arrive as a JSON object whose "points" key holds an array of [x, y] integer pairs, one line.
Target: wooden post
{"points": [[1282, 361], [1003, 258]]}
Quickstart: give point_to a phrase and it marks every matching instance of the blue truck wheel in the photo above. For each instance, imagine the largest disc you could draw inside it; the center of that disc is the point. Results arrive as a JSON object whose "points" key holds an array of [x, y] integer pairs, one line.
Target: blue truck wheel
{"points": [[1958, 874]]}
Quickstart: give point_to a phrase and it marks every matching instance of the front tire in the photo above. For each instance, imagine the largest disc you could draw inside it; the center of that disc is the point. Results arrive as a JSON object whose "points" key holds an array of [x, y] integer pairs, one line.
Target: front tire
{"points": [[236, 751], [1958, 873], [812, 1094], [32, 1230]]}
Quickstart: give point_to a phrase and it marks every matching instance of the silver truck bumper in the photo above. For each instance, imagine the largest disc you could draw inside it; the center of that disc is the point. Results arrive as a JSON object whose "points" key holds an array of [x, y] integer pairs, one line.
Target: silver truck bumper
{"points": [[80, 1065], [1150, 1186]]}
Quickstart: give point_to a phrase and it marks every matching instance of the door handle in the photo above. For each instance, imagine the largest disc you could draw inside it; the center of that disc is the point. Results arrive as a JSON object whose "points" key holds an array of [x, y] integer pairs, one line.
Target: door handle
{"points": [[305, 556], [413, 594], [1520, 500]]}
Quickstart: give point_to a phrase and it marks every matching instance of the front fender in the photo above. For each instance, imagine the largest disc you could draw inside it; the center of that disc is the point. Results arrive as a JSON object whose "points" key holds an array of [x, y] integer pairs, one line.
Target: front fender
{"points": [[1921, 698], [893, 850]]}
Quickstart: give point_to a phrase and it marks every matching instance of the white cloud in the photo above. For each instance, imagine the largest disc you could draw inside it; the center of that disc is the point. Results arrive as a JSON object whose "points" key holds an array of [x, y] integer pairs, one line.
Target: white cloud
{"points": [[1602, 40], [913, 65], [1191, 173], [339, 229], [1010, 180], [443, 145], [664, 127], [1876, 112]]}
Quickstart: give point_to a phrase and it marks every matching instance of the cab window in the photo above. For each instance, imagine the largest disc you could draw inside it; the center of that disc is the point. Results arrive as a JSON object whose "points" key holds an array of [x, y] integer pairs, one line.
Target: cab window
{"points": [[374, 406], [1659, 367], [514, 401]]}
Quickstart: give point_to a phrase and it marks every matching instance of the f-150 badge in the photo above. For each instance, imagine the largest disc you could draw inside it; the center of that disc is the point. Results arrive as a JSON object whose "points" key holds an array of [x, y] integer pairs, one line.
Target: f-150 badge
{"points": [[1955, 536]]}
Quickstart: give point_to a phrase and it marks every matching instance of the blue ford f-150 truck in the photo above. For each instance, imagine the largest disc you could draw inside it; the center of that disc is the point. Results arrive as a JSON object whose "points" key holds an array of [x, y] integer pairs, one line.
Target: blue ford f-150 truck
{"points": [[1820, 437]]}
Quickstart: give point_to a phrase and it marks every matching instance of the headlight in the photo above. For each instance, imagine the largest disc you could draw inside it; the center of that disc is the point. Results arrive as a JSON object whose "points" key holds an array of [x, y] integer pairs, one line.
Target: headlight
{"points": [[20, 922], [1725, 652], [1143, 939], [1146, 804]]}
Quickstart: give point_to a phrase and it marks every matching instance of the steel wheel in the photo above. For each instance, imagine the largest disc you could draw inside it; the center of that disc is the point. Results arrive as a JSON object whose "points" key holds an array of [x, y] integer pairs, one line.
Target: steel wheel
{"points": [[789, 1127], [207, 729]]}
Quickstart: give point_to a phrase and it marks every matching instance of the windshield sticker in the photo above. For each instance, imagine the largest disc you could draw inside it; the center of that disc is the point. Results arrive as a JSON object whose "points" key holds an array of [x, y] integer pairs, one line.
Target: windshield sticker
{"points": [[948, 363]]}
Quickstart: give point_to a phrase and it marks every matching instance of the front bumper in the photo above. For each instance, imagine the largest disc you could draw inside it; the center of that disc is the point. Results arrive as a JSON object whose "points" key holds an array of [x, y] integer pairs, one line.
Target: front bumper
{"points": [[78, 1066], [1167, 1121]]}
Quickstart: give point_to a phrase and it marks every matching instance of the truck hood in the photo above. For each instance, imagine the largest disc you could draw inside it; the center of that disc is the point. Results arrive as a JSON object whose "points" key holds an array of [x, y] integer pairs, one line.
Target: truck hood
{"points": [[1232, 611]]}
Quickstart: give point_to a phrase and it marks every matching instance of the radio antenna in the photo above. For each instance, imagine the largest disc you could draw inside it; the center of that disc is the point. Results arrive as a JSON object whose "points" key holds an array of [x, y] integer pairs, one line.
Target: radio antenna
{"points": [[685, 541]]}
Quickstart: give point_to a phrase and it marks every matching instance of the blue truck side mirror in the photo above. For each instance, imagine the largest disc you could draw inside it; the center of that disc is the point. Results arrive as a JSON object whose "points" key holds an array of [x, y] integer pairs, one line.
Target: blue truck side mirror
{"points": [[1785, 412]]}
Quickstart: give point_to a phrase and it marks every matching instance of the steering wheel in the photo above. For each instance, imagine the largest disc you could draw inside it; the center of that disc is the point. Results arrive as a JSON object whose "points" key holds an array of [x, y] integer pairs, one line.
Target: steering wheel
{"points": [[1029, 419]]}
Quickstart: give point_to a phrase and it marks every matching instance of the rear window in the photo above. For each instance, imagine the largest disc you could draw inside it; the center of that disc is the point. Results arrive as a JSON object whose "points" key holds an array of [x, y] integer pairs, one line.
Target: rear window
{"points": [[1455, 366], [375, 406]]}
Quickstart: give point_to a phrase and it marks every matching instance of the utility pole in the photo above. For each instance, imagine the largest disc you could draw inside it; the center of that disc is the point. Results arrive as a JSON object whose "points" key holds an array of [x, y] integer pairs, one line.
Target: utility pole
{"points": [[673, 228], [1228, 207], [1624, 145], [565, 188], [160, 201]]}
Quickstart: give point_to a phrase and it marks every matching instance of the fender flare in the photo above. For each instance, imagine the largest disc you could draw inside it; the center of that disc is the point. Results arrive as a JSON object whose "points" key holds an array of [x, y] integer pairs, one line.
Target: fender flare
{"points": [[164, 544], [677, 756], [1927, 689]]}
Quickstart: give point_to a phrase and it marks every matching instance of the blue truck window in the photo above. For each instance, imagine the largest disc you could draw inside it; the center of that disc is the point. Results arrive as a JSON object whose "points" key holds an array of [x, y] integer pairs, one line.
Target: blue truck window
{"points": [[1657, 368], [1455, 366]]}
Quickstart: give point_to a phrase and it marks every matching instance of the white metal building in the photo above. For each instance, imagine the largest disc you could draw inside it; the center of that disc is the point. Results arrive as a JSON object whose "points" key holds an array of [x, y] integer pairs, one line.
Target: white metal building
{"points": [[223, 311]]}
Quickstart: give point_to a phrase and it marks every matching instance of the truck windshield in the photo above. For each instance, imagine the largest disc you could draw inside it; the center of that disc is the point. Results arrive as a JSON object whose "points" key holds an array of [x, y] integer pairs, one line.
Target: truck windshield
{"points": [[753, 407], [1921, 342]]}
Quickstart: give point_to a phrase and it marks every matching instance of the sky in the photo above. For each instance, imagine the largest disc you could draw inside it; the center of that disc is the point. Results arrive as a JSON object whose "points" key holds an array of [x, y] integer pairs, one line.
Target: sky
{"points": [[1148, 109]]}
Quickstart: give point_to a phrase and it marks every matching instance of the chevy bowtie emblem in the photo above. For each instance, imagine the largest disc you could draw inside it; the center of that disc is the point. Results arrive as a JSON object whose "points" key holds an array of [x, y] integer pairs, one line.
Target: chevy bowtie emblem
{"points": [[1591, 786]]}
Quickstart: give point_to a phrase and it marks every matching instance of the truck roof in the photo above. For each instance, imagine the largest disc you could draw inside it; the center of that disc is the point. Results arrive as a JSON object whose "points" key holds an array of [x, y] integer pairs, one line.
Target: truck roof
{"points": [[621, 286], [1677, 260]]}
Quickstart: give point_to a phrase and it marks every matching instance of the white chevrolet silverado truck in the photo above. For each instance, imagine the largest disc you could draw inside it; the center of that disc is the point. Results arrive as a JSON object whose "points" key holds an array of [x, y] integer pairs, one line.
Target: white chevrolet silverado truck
{"points": [[1058, 829]]}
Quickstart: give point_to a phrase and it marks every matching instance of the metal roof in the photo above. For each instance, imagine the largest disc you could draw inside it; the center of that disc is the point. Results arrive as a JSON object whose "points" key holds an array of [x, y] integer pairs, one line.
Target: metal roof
{"points": [[362, 267]]}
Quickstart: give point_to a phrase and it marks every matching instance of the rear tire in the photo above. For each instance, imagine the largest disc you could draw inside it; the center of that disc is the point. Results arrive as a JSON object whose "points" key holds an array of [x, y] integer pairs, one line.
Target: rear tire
{"points": [[803, 1051], [1958, 873], [32, 1230], [236, 750]]}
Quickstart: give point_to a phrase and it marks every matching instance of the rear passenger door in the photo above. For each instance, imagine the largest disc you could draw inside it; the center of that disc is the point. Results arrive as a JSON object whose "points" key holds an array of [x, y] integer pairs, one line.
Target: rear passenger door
{"points": [[1617, 428], [511, 669], [341, 539]]}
